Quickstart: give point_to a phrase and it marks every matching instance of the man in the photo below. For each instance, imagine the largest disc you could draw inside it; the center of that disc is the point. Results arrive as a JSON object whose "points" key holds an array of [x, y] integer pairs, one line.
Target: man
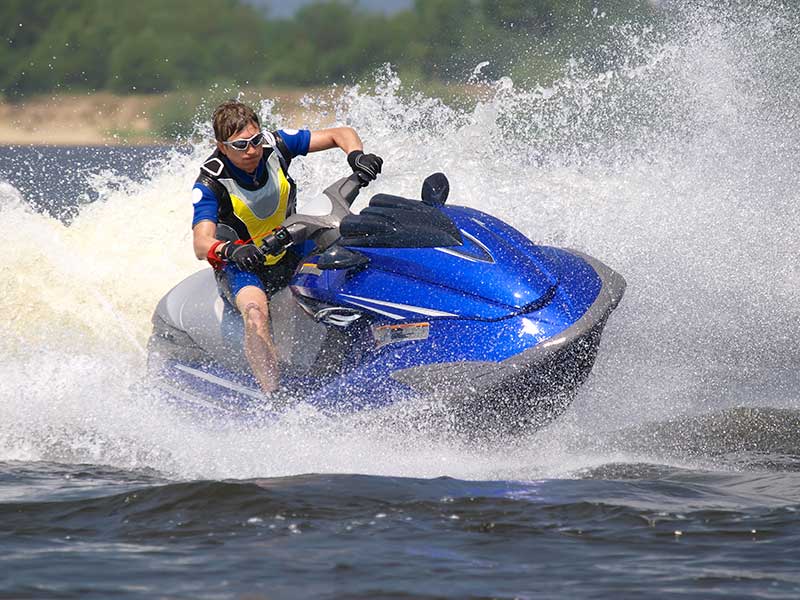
{"points": [[243, 193]]}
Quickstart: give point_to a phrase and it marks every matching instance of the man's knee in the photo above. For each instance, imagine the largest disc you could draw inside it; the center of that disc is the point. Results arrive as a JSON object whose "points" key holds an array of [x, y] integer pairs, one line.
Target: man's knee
{"points": [[255, 316]]}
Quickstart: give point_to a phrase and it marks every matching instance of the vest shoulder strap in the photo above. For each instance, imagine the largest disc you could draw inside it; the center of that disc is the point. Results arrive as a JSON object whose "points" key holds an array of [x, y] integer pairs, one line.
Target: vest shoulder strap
{"points": [[285, 158], [229, 226], [282, 150], [222, 195]]}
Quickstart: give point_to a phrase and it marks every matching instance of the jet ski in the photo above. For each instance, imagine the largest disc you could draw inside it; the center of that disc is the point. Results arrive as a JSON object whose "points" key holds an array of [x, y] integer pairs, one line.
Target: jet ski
{"points": [[407, 300]]}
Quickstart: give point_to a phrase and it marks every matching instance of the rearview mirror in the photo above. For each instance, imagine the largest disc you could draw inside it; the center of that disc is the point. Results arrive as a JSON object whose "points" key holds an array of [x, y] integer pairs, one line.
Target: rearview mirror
{"points": [[435, 189]]}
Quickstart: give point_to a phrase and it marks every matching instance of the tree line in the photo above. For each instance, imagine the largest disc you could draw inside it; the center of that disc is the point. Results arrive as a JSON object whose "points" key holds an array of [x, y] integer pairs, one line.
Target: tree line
{"points": [[156, 46]]}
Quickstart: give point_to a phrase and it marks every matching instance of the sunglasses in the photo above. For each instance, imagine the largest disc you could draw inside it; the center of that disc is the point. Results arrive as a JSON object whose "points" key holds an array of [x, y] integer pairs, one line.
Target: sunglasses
{"points": [[241, 144]]}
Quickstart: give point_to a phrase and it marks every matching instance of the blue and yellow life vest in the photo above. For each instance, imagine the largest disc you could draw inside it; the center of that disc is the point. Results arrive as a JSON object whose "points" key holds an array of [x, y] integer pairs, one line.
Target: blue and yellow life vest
{"points": [[253, 210]]}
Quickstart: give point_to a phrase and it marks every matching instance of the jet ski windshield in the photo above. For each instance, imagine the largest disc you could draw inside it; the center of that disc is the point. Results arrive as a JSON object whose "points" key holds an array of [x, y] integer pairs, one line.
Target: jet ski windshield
{"points": [[395, 222]]}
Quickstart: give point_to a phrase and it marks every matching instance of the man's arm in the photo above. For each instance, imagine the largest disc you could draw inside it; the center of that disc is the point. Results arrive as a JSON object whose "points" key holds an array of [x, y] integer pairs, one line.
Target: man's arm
{"points": [[345, 138], [204, 220], [203, 238], [367, 166]]}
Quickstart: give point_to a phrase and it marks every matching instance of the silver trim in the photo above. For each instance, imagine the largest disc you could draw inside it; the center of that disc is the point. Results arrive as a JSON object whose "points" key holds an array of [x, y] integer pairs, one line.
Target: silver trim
{"points": [[466, 256], [428, 312], [380, 312], [337, 316], [220, 382]]}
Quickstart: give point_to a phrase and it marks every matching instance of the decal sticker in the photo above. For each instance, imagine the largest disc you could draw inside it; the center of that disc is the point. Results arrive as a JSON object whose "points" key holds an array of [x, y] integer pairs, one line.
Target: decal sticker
{"points": [[309, 269], [390, 334]]}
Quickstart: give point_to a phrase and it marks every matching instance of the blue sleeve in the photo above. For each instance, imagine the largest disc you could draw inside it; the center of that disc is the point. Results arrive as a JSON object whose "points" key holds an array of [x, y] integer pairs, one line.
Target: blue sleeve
{"points": [[296, 140], [206, 206]]}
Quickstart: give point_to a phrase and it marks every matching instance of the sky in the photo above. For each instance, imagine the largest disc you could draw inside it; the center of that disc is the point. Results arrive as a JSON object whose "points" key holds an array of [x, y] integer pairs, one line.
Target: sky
{"points": [[286, 8]]}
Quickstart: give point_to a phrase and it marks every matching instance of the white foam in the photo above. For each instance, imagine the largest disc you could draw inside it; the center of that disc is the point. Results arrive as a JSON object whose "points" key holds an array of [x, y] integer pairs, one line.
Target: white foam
{"points": [[677, 168]]}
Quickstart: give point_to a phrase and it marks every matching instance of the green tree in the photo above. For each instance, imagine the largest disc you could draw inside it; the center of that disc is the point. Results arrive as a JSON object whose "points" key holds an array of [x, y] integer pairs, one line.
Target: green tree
{"points": [[147, 46], [328, 42], [24, 62], [153, 46]]}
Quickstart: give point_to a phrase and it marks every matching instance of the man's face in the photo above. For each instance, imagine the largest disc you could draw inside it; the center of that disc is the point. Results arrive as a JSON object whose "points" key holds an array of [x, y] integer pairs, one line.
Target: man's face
{"points": [[246, 160]]}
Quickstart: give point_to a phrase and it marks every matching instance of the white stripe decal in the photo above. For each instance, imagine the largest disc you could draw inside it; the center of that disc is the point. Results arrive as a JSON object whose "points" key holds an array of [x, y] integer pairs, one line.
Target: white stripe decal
{"points": [[372, 308], [464, 255], [417, 309], [220, 382], [458, 254]]}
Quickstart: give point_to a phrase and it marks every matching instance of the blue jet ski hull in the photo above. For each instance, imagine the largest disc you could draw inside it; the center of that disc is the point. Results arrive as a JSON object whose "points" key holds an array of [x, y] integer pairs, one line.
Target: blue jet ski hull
{"points": [[498, 328]]}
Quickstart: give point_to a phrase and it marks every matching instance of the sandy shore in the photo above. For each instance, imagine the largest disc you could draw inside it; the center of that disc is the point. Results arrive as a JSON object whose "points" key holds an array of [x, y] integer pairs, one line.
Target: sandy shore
{"points": [[90, 119], [103, 118]]}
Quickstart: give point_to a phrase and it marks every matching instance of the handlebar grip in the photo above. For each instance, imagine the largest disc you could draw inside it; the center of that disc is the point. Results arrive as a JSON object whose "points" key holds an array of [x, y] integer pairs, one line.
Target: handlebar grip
{"points": [[277, 241]]}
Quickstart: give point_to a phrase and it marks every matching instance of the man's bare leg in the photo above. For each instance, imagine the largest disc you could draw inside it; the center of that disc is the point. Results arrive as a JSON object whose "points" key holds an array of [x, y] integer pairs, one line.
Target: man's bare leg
{"points": [[258, 346]]}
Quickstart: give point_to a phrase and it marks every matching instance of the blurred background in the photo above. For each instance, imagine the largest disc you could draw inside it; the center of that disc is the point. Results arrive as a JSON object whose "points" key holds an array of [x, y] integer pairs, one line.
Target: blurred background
{"points": [[104, 72]]}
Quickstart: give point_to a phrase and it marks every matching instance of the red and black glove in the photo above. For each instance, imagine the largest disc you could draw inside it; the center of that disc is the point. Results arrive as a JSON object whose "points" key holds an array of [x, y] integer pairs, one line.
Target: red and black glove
{"points": [[245, 256]]}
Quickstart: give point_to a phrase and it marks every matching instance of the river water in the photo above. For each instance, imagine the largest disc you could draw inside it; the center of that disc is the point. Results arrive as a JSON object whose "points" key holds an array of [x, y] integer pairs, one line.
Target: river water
{"points": [[676, 472]]}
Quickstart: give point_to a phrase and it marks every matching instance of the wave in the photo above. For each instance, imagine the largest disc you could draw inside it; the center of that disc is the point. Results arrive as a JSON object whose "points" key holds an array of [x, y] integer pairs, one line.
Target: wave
{"points": [[714, 503]]}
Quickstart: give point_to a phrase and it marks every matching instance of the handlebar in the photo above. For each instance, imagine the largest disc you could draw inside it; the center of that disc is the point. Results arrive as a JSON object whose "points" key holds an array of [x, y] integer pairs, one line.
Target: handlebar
{"points": [[345, 190], [281, 238], [298, 228]]}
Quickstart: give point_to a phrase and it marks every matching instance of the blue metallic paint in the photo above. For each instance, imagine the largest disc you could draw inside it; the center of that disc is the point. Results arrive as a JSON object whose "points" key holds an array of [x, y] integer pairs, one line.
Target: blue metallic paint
{"points": [[496, 303]]}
